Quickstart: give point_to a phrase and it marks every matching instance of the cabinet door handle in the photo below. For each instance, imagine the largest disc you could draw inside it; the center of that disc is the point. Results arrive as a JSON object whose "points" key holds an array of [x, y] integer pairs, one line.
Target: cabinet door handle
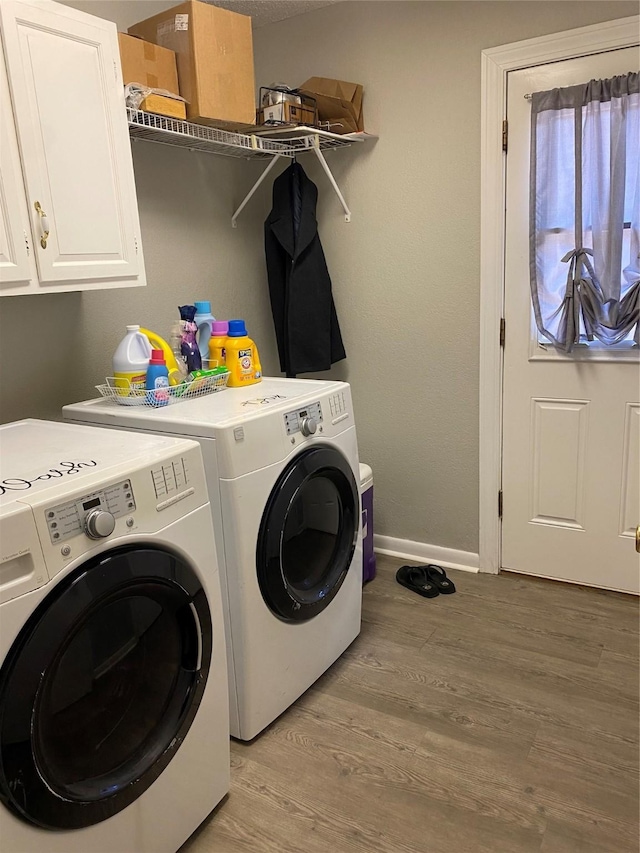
{"points": [[638, 539], [44, 224]]}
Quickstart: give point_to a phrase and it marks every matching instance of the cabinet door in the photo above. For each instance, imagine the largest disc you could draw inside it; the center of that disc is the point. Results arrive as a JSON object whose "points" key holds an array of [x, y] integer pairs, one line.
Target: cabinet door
{"points": [[17, 267], [66, 86]]}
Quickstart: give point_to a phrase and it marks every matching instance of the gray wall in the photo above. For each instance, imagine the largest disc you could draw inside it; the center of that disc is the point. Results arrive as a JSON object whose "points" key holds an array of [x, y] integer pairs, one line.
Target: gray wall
{"points": [[405, 270]]}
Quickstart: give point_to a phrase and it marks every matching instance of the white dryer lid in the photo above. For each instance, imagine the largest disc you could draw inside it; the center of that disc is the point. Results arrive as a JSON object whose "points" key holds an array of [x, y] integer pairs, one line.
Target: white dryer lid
{"points": [[37, 455], [202, 415]]}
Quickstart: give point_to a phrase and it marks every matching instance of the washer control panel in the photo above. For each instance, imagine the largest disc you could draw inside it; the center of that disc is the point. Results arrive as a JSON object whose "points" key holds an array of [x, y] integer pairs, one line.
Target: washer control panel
{"points": [[304, 420], [82, 515]]}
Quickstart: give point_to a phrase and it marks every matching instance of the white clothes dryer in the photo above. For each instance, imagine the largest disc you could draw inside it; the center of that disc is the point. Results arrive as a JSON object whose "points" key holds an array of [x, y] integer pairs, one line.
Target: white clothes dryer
{"points": [[281, 459], [113, 685]]}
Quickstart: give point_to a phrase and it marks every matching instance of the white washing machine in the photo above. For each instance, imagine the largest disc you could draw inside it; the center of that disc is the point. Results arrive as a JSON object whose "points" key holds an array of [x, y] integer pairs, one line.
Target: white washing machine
{"points": [[113, 685], [281, 459]]}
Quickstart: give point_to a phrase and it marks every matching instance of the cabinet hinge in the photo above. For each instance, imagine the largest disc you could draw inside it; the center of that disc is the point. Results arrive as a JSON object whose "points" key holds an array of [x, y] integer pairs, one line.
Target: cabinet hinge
{"points": [[503, 326], [500, 504], [115, 70], [27, 243], [135, 240], [505, 134]]}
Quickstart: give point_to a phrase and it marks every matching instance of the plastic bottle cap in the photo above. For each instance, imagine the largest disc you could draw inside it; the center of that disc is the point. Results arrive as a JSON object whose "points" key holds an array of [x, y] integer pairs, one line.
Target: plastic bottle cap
{"points": [[219, 327], [157, 357], [133, 328], [203, 307], [237, 329]]}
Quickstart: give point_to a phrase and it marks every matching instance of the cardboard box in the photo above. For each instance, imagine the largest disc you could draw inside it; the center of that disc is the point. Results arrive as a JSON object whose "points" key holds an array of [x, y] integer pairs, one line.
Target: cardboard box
{"points": [[339, 103], [287, 112], [172, 107], [148, 64], [214, 50]]}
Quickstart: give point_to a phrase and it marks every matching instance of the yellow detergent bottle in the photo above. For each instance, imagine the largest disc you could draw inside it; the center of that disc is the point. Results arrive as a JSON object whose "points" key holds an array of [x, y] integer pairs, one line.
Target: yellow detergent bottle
{"points": [[217, 343], [175, 375], [242, 359]]}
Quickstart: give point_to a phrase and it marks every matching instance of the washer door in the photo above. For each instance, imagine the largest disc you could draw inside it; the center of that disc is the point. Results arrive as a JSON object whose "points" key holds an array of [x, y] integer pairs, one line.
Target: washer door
{"points": [[101, 686], [308, 534]]}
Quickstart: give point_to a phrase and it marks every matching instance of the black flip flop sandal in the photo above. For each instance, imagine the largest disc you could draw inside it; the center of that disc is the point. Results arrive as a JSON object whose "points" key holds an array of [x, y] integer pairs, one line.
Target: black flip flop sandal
{"points": [[415, 578], [438, 577]]}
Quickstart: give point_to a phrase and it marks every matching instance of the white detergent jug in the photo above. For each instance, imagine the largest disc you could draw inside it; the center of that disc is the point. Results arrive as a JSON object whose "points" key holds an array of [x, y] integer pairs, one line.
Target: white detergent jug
{"points": [[130, 363]]}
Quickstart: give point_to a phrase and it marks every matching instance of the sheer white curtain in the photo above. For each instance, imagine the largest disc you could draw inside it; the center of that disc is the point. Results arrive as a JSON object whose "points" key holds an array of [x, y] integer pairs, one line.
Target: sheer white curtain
{"points": [[585, 212]]}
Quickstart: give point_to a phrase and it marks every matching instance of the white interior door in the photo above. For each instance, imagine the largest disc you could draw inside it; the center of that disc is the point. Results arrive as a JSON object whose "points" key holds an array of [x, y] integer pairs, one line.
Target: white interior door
{"points": [[17, 266], [571, 423], [66, 87]]}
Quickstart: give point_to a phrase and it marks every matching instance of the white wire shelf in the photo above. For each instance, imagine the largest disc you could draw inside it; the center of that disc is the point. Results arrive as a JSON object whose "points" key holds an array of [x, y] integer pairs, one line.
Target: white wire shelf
{"points": [[263, 144]]}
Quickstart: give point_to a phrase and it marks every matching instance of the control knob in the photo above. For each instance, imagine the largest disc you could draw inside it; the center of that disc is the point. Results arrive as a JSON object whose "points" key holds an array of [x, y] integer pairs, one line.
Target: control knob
{"points": [[308, 426], [99, 523]]}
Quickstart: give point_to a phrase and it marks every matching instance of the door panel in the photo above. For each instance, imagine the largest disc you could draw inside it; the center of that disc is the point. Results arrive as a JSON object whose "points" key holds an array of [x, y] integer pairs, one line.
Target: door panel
{"points": [[66, 86], [570, 424], [559, 432], [630, 499], [17, 267]]}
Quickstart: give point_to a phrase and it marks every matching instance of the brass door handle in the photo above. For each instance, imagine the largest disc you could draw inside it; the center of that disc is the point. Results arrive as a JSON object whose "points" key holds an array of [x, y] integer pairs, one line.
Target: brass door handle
{"points": [[638, 539], [44, 224]]}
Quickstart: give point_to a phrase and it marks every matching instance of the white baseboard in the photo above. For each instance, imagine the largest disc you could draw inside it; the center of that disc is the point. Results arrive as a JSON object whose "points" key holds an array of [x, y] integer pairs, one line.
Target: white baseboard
{"points": [[421, 552]]}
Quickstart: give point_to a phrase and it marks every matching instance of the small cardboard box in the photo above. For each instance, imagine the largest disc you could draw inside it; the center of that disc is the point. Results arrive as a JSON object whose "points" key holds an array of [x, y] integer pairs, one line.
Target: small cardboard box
{"points": [[214, 50], [287, 112], [339, 103], [172, 107], [148, 64]]}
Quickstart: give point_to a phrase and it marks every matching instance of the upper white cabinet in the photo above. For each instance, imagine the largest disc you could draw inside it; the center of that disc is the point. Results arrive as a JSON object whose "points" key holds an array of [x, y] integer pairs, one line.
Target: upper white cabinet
{"points": [[63, 68]]}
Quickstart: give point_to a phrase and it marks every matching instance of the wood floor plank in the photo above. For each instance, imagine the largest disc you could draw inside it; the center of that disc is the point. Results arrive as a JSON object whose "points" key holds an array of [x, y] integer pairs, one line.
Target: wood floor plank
{"points": [[611, 621], [621, 671], [587, 838], [604, 756], [399, 689], [502, 719], [536, 668]]}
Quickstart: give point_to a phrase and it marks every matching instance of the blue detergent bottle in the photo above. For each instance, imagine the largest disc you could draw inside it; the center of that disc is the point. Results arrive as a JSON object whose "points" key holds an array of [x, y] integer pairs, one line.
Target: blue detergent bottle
{"points": [[204, 321], [157, 382]]}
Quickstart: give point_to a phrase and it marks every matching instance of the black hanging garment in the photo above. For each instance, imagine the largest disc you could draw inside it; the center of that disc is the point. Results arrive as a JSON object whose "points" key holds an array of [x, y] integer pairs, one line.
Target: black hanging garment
{"points": [[304, 315]]}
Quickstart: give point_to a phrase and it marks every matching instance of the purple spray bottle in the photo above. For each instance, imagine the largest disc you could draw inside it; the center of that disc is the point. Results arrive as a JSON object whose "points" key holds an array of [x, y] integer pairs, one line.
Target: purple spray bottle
{"points": [[188, 344]]}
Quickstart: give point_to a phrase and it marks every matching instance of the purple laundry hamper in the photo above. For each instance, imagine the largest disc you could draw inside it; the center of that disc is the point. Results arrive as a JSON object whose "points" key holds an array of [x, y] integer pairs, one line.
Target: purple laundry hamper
{"points": [[368, 555]]}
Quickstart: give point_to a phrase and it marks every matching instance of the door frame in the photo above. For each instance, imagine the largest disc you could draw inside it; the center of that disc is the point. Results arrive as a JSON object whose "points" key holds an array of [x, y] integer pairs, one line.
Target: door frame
{"points": [[497, 62]]}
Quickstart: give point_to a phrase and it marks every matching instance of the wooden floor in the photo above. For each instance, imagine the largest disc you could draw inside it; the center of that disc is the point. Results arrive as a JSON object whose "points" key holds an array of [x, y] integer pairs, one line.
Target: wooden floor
{"points": [[501, 718]]}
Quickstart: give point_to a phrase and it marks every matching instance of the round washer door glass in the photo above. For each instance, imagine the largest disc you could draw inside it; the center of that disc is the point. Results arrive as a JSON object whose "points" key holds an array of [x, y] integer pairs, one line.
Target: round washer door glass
{"points": [[101, 686], [308, 534]]}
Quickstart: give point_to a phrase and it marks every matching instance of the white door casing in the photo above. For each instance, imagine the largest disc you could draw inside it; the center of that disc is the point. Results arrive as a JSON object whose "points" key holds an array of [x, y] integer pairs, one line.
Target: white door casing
{"points": [[496, 65], [570, 422], [66, 86], [18, 272]]}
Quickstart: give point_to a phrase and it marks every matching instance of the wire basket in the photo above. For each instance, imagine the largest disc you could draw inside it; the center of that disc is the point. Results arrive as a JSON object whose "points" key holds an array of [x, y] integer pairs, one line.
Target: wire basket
{"points": [[122, 392]]}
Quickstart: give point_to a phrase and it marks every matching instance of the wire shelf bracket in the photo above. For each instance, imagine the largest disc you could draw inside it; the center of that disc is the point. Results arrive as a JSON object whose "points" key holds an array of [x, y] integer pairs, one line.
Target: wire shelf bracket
{"points": [[272, 144], [247, 198], [312, 147], [334, 184]]}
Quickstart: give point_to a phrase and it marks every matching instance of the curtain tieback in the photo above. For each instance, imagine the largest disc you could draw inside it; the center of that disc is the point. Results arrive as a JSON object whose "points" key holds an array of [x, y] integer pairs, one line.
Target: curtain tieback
{"points": [[577, 258]]}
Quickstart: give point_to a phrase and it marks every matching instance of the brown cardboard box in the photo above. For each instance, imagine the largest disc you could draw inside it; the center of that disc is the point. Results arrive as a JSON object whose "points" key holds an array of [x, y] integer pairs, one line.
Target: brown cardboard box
{"points": [[288, 112], [172, 107], [339, 103], [148, 64], [214, 49]]}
